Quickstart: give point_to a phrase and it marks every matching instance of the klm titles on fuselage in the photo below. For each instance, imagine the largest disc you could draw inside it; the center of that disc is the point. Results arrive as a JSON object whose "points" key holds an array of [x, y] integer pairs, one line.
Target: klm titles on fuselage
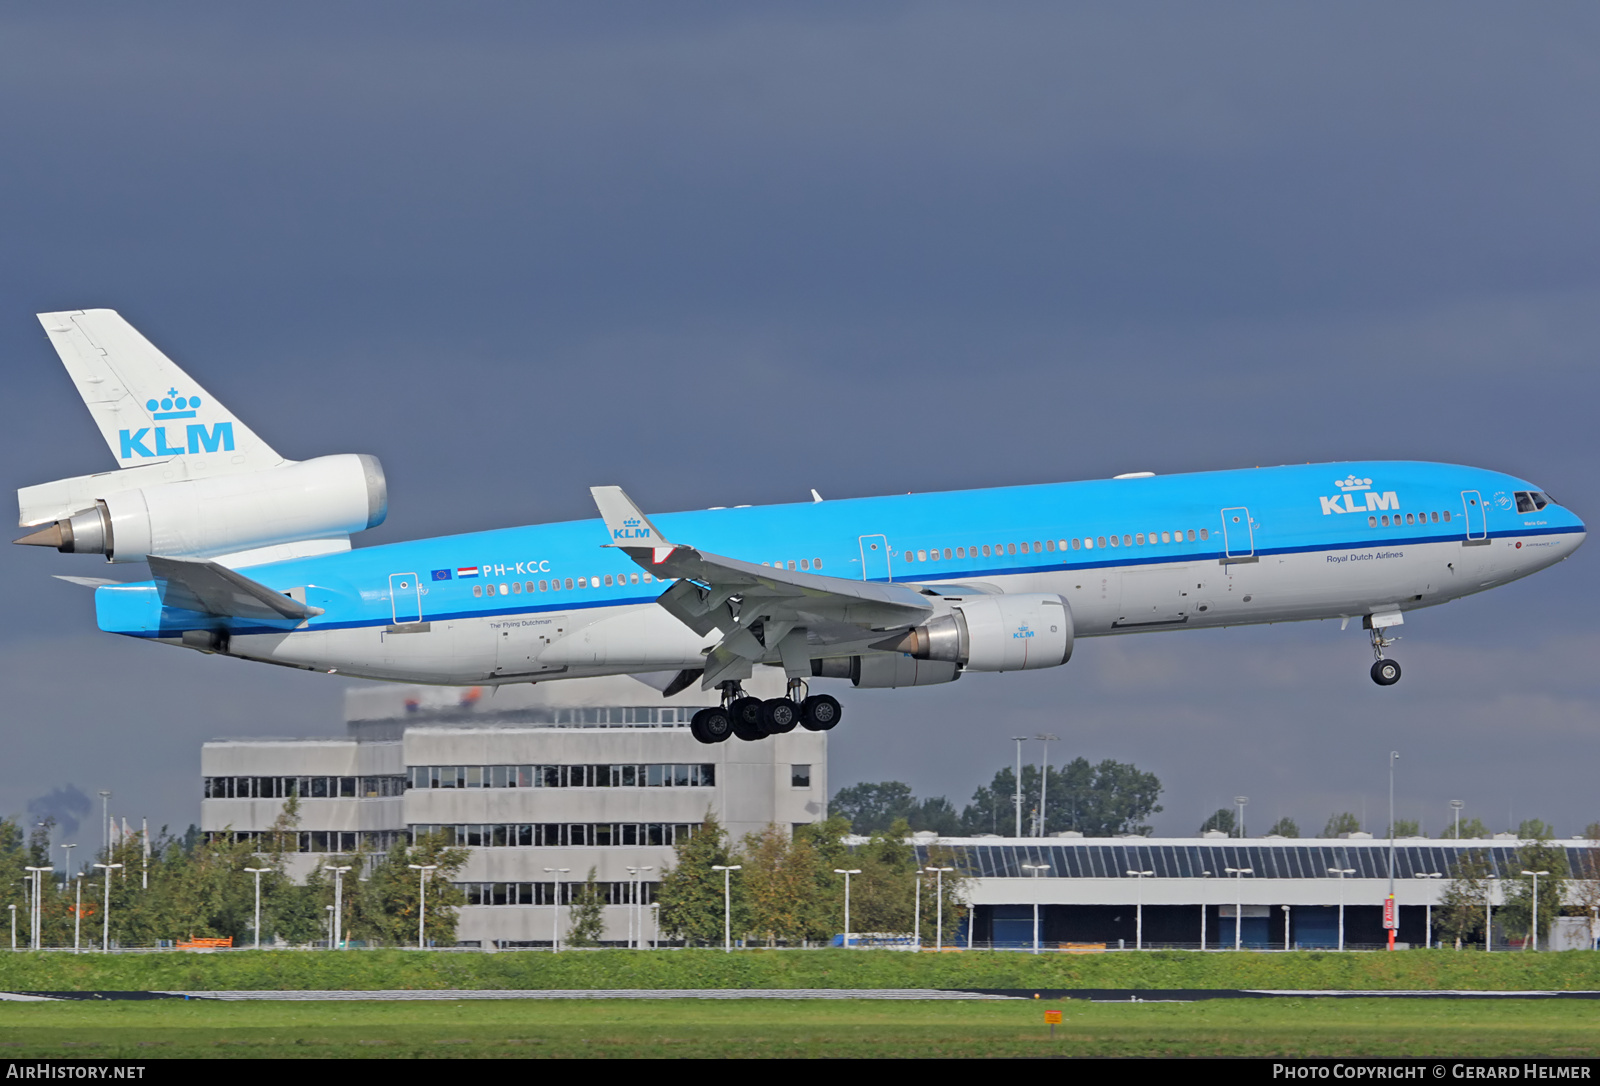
{"points": [[1371, 500]]}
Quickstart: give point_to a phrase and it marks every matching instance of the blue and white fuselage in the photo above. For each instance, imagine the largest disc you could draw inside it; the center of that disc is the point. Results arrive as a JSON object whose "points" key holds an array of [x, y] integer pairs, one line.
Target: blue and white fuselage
{"points": [[1129, 555]]}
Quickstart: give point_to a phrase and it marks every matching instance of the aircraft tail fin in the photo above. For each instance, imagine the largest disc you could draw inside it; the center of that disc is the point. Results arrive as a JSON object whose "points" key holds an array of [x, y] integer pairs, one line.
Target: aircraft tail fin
{"points": [[147, 408]]}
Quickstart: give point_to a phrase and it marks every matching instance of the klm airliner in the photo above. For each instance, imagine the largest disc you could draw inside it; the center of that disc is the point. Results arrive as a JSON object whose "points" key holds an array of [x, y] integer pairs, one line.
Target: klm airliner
{"points": [[249, 555]]}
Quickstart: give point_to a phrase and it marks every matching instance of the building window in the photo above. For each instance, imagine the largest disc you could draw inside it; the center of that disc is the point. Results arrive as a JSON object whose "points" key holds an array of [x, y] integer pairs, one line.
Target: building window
{"points": [[800, 776]]}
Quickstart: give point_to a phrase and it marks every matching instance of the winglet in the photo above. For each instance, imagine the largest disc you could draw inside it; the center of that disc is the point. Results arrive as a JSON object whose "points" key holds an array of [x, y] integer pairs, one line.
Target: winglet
{"points": [[629, 527]]}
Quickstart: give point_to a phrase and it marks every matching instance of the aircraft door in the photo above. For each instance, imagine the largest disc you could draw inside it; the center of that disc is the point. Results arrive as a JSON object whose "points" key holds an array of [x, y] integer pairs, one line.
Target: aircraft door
{"points": [[1238, 534], [1477, 522], [405, 597], [875, 558]]}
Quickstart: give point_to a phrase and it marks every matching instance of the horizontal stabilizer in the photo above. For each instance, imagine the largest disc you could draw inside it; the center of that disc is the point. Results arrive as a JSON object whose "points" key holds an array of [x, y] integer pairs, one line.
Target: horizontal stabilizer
{"points": [[87, 582], [213, 589]]}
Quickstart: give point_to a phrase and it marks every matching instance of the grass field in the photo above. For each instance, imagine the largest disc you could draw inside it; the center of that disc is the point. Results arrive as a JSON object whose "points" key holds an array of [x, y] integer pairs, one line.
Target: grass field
{"points": [[784, 1029], [324, 970]]}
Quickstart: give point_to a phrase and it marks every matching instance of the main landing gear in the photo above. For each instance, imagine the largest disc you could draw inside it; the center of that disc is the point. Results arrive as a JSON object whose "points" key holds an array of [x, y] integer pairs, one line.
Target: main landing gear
{"points": [[752, 719], [1384, 672]]}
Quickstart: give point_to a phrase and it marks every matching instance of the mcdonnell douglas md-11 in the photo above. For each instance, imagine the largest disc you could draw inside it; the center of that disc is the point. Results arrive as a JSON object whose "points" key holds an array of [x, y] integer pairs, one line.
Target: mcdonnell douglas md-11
{"points": [[249, 556]]}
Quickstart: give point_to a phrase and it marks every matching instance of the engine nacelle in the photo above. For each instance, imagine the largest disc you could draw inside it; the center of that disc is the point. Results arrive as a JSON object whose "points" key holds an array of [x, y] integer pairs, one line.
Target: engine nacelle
{"points": [[325, 498], [887, 671], [995, 633]]}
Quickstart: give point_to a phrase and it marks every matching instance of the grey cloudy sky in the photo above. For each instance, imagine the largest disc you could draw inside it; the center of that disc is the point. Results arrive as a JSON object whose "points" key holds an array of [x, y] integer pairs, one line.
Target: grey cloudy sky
{"points": [[723, 253]]}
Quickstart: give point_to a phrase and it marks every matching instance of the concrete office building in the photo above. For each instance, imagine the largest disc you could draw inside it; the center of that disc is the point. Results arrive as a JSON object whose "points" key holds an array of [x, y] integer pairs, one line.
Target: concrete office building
{"points": [[541, 783]]}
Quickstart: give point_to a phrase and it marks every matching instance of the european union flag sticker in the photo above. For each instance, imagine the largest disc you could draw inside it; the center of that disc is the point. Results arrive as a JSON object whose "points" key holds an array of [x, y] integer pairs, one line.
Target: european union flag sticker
{"points": [[441, 574]]}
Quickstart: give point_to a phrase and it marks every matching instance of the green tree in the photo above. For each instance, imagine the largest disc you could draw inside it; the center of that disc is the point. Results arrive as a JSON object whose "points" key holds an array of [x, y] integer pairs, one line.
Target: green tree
{"points": [[882, 897], [1285, 827], [690, 895], [1462, 907], [936, 814], [870, 807], [1471, 830], [784, 885], [587, 923], [1222, 820], [1407, 827], [1094, 800], [1344, 822], [1537, 853], [382, 907]]}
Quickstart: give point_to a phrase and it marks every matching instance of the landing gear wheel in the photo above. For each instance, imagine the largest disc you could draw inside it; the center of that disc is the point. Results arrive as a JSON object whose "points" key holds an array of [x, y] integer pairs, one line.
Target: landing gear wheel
{"points": [[1385, 672], [711, 725], [745, 713], [819, 712], [779, 715]]}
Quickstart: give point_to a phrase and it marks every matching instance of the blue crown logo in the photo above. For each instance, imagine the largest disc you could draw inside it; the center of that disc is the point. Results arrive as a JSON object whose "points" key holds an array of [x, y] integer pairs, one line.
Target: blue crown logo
{"points": [[173, 406]]}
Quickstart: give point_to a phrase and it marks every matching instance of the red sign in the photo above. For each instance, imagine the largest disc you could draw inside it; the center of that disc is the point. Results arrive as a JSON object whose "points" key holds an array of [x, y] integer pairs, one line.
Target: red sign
{"points": [[1389, 920]]}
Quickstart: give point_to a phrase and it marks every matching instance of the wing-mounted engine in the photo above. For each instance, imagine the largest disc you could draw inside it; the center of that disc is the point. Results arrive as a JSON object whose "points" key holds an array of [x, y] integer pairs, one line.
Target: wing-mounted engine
{"points": [[994, 633], [327, 498]]}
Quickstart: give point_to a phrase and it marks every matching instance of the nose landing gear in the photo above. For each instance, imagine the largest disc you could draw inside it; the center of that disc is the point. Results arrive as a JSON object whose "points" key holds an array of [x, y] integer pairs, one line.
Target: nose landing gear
{"points": [[1384, 672]]}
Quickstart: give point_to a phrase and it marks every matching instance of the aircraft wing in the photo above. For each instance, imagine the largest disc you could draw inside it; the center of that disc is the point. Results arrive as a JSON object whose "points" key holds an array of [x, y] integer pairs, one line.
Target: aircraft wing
{"points": [[212, 589], [762, 611]]}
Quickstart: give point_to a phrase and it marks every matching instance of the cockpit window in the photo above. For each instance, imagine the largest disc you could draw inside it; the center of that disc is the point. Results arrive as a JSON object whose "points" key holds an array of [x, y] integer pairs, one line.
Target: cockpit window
{"points": [[1531, 501]]}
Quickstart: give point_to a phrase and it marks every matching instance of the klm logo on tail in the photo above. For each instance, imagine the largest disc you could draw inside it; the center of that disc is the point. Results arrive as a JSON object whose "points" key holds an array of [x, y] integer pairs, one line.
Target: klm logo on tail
{"points": [[153, 440], [1352, 487], [632, 528]]}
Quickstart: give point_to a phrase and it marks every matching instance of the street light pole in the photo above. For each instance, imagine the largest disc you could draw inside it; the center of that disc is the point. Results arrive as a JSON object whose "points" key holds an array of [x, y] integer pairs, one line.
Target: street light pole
{"points": [[939, 893], [422, 871], [1455, 809], [338, 903], [1204, 875], [1238, 907], [1394, 924], [105, 919], [1037, 870], [1429, 875], [1341, 872], [258, 872], [847, 873], [1044, 774], [1240, 801], [36, 905], [1138, 924], [555, 907], [77, 917], [1535, 923], [727, 903], [1017, 802]]}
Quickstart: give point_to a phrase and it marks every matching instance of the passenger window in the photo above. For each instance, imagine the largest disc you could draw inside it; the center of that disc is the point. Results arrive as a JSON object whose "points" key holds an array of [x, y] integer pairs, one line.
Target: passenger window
{"points": [[633, 578], [1037, 547], [1011, 548], [805, 563], [477, 590], [1139, 538], [1447, 516], [1386, 520], [583, 582], [1127, 541], [922, 556], [1410, 519], [1074, 543], [1436, 517], [608, 580], [986, 550], [961, 552], [516, 588], [490, 590], [1372, 522], [544, 586], [947, 554], [569, 583], [1024, 548], [1100, 541], [1205, 533], [1191, 535], [1113, 541]]}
